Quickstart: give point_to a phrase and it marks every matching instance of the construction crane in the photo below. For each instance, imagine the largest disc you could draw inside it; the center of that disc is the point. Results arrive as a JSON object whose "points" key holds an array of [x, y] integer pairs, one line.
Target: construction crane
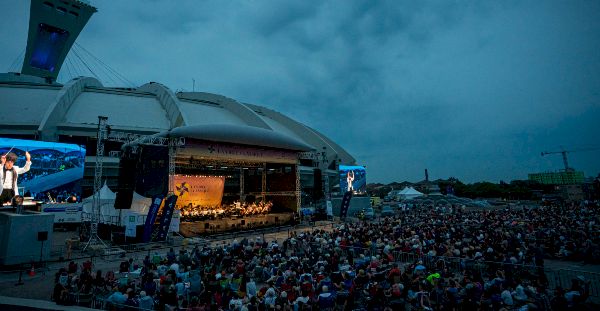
{"points": [[564, 155]]}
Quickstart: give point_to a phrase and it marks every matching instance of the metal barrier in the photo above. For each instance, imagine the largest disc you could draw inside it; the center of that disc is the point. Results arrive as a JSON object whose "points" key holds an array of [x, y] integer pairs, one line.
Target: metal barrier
{"points": [[564, 278], [102, 303], [487, 269]]}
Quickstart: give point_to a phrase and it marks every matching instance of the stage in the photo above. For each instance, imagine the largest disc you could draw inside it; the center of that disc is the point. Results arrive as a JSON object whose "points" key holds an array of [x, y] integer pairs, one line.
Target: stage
{"points": [[196, 228]]}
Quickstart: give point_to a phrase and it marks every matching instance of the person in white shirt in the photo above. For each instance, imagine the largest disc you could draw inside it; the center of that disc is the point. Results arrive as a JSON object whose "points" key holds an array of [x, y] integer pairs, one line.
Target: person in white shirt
{"points": [[9, 174], [349, 180]]}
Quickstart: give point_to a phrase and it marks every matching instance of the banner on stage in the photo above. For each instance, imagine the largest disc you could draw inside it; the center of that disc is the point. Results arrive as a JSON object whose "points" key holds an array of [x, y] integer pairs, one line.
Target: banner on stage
{"points": [[199, 190], [151, 218], [214, 151], [345, 204], [167, 215]]}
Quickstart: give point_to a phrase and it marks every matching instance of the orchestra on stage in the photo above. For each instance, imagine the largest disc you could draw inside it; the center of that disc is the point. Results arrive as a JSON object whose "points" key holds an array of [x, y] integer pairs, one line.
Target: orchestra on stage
{"points": [[239, 209]]}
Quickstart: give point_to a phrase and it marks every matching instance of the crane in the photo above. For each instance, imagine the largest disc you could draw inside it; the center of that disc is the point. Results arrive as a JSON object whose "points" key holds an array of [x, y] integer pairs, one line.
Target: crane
{"points": [[564, 155]]}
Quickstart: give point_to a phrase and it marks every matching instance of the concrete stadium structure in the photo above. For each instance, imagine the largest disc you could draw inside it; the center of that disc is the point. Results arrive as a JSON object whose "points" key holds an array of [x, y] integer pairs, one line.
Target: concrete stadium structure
{"points": [[43, 109]]}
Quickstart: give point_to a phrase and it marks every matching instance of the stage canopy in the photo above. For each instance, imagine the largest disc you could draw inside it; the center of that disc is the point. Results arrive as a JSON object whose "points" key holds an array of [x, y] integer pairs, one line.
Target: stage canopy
{"points": [[238, 134]]}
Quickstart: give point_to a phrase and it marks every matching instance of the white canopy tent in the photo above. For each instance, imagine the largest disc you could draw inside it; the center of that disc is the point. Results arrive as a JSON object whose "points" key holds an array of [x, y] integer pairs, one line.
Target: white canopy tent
{"points": [[409, 193], [110, 215]]}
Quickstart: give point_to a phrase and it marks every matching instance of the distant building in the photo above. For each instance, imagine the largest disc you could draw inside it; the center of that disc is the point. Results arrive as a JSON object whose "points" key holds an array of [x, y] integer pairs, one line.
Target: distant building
{"points": [[558, 178]]}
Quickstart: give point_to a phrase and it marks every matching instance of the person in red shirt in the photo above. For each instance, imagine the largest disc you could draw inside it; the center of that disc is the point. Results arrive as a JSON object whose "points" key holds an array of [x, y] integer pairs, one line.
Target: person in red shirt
{"points": [[394, 272]]}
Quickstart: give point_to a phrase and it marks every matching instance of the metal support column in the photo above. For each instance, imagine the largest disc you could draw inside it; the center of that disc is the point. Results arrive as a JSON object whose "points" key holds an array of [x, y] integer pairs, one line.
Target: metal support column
{"points": [[263, 192], [325, 177], [173, 143], [298, 188], [95, 217], [242, 195]]}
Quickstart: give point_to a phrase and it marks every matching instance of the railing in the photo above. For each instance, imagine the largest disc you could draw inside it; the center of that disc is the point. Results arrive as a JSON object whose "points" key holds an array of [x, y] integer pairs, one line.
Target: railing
{"points": [[565, 277], [100, 302], [487, 269]]}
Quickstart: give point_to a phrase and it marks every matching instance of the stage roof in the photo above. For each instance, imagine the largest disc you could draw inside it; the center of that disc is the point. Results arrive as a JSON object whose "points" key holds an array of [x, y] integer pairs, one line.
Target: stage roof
{"points": [[236, 134]]}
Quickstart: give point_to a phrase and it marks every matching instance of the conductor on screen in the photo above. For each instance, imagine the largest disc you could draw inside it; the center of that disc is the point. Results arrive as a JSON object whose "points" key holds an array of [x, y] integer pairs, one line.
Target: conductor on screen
{"points": [[9, 174], [350, 179]]}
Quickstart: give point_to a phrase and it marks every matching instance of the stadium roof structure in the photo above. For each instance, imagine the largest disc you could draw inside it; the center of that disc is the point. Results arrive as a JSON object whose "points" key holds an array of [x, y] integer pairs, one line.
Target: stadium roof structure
{"points": [[46, 110]]}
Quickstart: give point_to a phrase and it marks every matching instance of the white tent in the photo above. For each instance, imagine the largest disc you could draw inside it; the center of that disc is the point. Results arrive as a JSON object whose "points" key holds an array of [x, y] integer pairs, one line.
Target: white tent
{"points": [[107, 202], [108, 213], [139, 210], [409, 193]]}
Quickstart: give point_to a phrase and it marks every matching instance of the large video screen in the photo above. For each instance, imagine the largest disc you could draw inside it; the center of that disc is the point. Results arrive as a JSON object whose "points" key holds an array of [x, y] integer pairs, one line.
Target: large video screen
{"points": [[353, 178], [56, 169], [48, 45]]}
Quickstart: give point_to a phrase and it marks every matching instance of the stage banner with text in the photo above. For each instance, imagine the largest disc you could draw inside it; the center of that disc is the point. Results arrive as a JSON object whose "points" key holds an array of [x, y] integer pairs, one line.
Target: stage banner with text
{"points": [[200, 150], [345, 204], [151, 218], [199, 190], [166, 217]]}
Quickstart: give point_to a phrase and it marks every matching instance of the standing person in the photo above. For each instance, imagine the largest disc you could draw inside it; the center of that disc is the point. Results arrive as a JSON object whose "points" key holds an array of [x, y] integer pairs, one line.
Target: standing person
{"points": [[349, 180], [9, 174]]}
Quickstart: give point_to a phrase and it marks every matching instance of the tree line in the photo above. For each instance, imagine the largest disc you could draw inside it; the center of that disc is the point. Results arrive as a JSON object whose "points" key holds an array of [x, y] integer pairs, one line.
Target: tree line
{"points": [[514, 190]]}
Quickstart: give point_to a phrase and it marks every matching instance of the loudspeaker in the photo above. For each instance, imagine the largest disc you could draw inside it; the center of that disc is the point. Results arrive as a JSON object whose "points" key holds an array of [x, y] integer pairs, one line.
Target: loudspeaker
{"points": [[124, 199], [126, 181], [318, 184], [42, 236], [243, 222]]}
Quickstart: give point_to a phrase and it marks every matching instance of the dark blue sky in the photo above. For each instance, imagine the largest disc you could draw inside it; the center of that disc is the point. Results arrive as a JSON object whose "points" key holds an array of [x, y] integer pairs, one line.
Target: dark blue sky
{"points": [[474, 90]]}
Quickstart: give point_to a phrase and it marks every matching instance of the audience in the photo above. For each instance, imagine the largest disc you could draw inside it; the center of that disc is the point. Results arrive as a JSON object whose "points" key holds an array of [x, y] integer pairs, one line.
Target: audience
{"points": [[422, 258]]}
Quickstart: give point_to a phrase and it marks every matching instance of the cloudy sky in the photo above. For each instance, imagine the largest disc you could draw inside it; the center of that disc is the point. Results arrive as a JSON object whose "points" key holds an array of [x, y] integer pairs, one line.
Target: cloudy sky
{"points": [[474, 90]]}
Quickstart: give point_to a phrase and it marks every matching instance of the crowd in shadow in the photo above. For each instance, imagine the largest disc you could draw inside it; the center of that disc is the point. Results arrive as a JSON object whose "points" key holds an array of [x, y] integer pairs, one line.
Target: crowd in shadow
{"points": [[418, 260]]}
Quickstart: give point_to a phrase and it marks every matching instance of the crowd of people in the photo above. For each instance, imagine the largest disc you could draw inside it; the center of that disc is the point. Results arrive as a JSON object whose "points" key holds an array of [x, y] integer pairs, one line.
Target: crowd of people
{"points": [[199, 213], [399, 263], [530, 234]]}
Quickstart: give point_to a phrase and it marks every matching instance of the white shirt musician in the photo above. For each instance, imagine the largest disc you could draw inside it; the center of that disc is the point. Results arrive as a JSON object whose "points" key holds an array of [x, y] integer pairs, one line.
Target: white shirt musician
{"points": [[350, 179], [9, 174]]}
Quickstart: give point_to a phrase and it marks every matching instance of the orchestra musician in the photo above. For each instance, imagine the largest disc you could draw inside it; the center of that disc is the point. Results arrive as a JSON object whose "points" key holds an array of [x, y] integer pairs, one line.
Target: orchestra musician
{"points": [[198, 212]]}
